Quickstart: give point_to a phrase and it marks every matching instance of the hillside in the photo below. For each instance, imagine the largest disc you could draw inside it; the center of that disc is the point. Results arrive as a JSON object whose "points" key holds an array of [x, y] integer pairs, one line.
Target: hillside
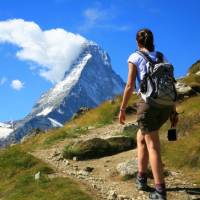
{"points": [[102, 176], [193, 77]]}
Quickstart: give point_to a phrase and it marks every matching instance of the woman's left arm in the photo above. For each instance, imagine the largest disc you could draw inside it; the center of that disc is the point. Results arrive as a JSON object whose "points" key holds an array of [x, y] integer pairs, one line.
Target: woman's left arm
{"points": [[130, 85]]}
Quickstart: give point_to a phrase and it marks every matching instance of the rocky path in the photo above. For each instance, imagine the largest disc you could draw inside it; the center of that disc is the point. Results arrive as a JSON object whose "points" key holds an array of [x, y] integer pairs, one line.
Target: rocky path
{"points": [[102, 176]]}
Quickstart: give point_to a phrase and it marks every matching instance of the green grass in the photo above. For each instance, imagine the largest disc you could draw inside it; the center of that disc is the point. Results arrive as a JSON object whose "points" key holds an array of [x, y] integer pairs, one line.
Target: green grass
{"points": [[130, 132], [104, 114], [63, 133], [185, 152], [191, 80], [195, 67], [17, 170]]}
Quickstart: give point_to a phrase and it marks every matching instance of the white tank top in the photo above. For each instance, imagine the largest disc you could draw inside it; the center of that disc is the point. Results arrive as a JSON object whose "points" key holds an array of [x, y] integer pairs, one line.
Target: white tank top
{"points": [[140, 63]]}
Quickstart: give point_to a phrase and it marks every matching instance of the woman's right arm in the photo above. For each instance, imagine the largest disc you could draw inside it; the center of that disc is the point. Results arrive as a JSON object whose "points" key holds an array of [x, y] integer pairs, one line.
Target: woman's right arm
{"points": [[127, 91], [130, 85]]}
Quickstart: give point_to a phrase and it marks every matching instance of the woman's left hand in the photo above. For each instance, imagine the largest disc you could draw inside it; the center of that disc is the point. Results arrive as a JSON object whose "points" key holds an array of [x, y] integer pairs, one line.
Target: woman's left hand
{"points": [[122, 117]]}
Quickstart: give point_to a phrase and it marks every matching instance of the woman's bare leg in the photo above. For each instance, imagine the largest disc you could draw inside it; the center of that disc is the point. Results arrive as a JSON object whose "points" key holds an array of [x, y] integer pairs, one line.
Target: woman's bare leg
{"points": [[143, 157], [153, 146]]}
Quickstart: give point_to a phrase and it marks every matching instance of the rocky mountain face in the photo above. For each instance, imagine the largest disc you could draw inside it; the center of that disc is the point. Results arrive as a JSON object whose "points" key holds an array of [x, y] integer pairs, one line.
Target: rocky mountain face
{"points": [[190, 84], [90, 81]]}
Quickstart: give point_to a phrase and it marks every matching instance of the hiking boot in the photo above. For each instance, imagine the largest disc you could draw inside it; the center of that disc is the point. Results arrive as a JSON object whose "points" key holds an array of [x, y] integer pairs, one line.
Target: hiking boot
{"points": [[157, 196], [141, 183]]}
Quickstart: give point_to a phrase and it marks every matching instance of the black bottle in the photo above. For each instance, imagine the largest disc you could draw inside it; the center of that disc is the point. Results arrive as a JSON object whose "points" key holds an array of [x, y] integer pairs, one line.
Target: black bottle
{"points": [[172, 135]]}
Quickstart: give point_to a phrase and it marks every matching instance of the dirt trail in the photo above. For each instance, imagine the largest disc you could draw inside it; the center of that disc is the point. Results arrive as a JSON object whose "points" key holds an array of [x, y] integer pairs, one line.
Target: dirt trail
{"points": [[104, 179]]}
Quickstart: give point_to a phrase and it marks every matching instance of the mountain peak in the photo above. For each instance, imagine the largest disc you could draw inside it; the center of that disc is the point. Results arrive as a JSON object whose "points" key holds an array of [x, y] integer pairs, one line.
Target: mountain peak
{"points": [[89, 81]]}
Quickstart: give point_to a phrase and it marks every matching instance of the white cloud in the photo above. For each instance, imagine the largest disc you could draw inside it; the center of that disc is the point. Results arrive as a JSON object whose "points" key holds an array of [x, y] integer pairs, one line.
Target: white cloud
{"points": [[92, 17], [3, 80], [53, 50], [96, 17], [17, 85]]}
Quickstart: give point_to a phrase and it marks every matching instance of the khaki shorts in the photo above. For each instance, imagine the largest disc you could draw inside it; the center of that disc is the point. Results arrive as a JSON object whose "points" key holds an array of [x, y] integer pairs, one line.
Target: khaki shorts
{"points": [[151, 118]]}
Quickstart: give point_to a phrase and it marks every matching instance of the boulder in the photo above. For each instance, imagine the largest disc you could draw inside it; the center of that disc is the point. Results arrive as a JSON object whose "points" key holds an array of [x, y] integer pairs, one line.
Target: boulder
{"points": [[195, 87], [97, 147], [121, 143], [92, 148], [130, 168], [198, 73], [81, 111], [184, 90]]}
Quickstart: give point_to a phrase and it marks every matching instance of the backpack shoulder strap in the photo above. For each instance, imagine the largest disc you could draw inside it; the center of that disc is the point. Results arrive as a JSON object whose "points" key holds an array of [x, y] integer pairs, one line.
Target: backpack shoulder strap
{"points": [[160, 57], [145, 56]]}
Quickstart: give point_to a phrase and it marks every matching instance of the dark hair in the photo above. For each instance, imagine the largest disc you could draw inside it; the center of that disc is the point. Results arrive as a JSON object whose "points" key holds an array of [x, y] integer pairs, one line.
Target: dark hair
{"points": [[144, 37]]}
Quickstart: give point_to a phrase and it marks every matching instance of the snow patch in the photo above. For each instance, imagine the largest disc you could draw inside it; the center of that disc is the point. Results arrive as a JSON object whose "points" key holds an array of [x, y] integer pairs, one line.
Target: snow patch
{"points": [[5, 125], [5, 132], [55, 123], [62, 88], [45, 112]]}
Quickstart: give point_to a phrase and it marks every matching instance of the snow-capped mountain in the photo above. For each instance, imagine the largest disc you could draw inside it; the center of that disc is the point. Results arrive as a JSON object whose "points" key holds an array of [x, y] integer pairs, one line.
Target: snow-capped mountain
{"points": [[5, 130], [89, 82]]}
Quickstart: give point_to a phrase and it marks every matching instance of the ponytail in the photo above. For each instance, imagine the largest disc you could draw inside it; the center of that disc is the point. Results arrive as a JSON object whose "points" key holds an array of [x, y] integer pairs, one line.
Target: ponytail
{"points": [[145, 38]]}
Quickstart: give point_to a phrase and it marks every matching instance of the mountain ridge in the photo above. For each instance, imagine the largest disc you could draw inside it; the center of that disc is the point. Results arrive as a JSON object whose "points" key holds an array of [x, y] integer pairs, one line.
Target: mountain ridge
{"points": [[90, 81]]}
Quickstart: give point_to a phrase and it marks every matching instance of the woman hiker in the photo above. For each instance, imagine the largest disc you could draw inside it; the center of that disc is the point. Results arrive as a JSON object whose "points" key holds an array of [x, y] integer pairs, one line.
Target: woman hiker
{"points": [[149, 118]]}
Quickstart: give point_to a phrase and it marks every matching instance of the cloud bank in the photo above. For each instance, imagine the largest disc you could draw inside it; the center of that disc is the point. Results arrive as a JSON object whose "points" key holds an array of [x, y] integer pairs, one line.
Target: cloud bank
{"points": [[17, 85], [53, 50]]}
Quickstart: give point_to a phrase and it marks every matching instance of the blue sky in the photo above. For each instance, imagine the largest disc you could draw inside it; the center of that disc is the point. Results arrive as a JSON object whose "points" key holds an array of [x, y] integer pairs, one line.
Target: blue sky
{"points": [[111, 23]]}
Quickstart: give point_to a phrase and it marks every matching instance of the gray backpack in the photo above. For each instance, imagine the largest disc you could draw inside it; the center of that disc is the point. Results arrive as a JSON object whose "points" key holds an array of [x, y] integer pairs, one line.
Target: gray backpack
{"points": [[158, 85]]}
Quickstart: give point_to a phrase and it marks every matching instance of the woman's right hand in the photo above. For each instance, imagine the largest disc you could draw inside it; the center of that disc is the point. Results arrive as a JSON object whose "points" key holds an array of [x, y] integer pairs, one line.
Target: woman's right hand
{"points": [[174, 119], [122, 117]]}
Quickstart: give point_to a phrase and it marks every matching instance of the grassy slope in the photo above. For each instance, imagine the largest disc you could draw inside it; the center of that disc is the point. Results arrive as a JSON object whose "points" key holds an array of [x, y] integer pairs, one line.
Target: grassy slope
{"points": [[17, 170], [195, 67], [185, 153], [192, 79], [97, 117]]}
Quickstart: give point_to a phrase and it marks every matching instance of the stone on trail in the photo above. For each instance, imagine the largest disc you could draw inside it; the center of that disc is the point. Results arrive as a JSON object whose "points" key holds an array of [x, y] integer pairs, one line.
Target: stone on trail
{"points": [[123, 197], [75, 158], [88, 169], [128, 168], [37, 176], [112, 195]]}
